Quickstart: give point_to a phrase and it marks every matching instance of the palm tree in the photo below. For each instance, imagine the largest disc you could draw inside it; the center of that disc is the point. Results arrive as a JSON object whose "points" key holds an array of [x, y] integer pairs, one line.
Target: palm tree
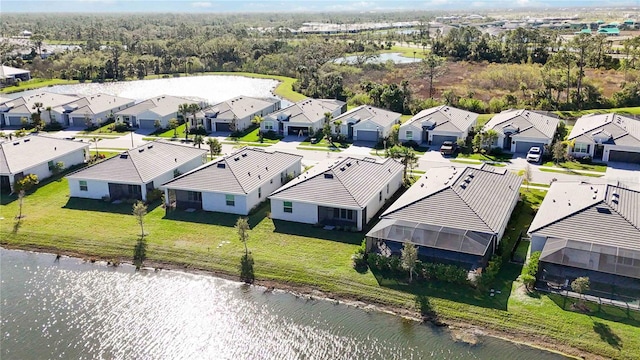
{"points": [[183, 109], [214, 146], [173, 124], [198, 140], [193, 109], [95, 140], [37, 119], [48, 109]]}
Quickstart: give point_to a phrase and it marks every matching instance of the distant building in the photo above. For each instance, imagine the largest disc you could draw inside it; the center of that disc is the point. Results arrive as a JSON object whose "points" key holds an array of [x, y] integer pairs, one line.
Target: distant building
{"points": [[95, 108], [9, 75], [13, 111]]}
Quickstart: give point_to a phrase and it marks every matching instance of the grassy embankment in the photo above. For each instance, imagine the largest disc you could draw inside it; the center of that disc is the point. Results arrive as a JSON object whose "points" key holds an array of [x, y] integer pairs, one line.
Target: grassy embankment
{"points": [[36, 83], [304, 257]]}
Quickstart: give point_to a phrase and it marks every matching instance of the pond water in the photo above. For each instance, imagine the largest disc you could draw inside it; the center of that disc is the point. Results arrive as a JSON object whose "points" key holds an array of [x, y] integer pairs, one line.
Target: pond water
{"points": [[71, 309], [396, 58], [211, 88]]}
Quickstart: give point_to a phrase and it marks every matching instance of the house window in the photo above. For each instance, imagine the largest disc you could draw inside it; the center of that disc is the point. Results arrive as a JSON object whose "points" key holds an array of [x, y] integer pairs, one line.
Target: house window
{"points": [[194, 196], [288, 207], [83, 186], [259, 193], [409, 134], [380, 196], [581, 148], [231, 200], [387, 188], [51, 165], [268, 125]]}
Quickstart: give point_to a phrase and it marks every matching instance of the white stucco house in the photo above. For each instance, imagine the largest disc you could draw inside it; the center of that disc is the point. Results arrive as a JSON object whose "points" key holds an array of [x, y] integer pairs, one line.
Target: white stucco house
{"points": [[237, 112], [133, 173], [606, 137], [37, 154], [12, 111], [366, 123], [520, 130], [9, 75], [162, 108], [235, 183], [438, 124], [305, 115], [96, 108], [347, 191]]}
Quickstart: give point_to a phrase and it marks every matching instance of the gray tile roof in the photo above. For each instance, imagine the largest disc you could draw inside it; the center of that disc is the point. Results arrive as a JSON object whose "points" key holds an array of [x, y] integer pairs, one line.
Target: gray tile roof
{"points": [[524, 121], [619, 129], [308, 111], [95, 104], [162, 105], [142, 164], [237, 173], [239, 106], [444, 117], [25, 103], [606, 214], [24, 153], [376, 115], [477, 199], [347, 182]]}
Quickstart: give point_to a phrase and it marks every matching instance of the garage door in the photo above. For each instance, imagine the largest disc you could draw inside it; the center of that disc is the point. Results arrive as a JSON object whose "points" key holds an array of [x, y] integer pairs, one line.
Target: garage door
{"points": [[79, 122], [624, 156], [523, 146], [366, 135], [146, 124], [220, 126], [295, 130], [439, 139], [15, 121]]}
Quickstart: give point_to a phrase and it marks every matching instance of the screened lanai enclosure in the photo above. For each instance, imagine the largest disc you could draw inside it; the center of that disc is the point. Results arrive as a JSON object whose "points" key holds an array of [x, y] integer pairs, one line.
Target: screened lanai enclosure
{"points": [[611, 269], [468, 249]]}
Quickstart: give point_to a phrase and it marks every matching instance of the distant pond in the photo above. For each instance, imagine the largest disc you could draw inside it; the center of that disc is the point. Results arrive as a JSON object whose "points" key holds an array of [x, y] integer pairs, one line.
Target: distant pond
{"points": [[396, 58]]}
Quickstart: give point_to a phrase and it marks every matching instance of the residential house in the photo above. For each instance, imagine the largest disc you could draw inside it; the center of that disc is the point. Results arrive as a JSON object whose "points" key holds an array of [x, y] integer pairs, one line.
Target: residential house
{"points": [[237, 113], [133, 173], [520, 130], [453, 214], [592, 230], [347, 191], [366, 123], [161, 108], [235, 183], [438, 124], [93, 108], [9, 75], [304, 116], [38, 155], [13, 111], [606, 137]]}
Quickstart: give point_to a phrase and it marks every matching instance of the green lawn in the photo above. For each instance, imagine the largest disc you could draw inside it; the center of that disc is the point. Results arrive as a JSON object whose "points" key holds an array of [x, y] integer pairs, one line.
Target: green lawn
{"points": [[482, 157], [105, 129], [575, 165], [252, 137], [483, 119], [570, 172], [576, 114], [301, 255], [325, 144], [170, 132], [36, 83], [404, 118], [408, 52]]}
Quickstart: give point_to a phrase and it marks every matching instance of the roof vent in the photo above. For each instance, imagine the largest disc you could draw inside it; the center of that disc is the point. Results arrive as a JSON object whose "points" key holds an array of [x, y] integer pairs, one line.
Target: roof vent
{"points": [[236, 159], [150, 147], [16, 143], [343, 168], [27, 140], [328, 176], [602, 210], [221, 165], [244, 155], [471, 175], [266, 168], [124, 156], [615, 194], [140, 150], [249, 173], [348, 164], [463, 185], [467, 179]]}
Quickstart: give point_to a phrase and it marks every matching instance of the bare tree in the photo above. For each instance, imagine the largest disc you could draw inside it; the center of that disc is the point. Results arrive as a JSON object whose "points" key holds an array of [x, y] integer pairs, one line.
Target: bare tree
{"points": [[139, 211], [527, 175], [242, 226]]}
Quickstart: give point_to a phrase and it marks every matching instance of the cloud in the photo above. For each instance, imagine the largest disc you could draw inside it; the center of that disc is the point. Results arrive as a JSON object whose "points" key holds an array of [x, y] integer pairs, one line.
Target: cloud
{"points": [[201, 4]]}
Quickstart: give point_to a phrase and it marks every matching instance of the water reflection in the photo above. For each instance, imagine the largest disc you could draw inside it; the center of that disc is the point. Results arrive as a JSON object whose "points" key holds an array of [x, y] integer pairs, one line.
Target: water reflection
{"points": [[75, 310]]}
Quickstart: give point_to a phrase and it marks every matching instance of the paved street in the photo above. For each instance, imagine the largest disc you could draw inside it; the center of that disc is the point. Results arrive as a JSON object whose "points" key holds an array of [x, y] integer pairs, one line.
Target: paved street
{"points": [[629, 174]]}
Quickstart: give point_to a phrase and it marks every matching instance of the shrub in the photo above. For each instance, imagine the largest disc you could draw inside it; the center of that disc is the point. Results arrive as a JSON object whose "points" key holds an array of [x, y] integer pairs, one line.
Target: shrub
{"points": [[120, 127], [359, 258], [490, 272], [496, 151], [411, 143], [199, 130], [154, 195], [27, 183], [53, 126], [528, 281], [531, 268]]}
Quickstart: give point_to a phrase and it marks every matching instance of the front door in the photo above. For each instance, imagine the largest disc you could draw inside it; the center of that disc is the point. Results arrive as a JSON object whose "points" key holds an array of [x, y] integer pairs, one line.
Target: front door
{"points": [[506, 145], [350, 131], [598, 151]]}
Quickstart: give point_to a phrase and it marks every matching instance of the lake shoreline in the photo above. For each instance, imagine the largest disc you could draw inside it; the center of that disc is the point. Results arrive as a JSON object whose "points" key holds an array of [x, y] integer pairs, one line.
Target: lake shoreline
{"points": [[460, 331]]}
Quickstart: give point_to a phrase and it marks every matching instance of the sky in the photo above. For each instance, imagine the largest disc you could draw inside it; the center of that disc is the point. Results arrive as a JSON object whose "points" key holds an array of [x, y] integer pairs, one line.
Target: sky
{"points": [[141, 6]]}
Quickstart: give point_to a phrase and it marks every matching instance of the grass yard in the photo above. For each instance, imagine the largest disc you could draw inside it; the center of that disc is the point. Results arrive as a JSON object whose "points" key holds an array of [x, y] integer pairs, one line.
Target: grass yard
{"points": [[325, 144], [302, 255], [570, 172], [578, 113], [36, 83], [575, 165], [483, 119], [105, 130], [252, 137], [485, 157]]}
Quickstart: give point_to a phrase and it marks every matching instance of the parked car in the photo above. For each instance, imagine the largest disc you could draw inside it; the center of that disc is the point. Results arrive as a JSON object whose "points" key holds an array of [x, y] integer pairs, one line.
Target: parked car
{"points": [[449, 148], [535, 154]]}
